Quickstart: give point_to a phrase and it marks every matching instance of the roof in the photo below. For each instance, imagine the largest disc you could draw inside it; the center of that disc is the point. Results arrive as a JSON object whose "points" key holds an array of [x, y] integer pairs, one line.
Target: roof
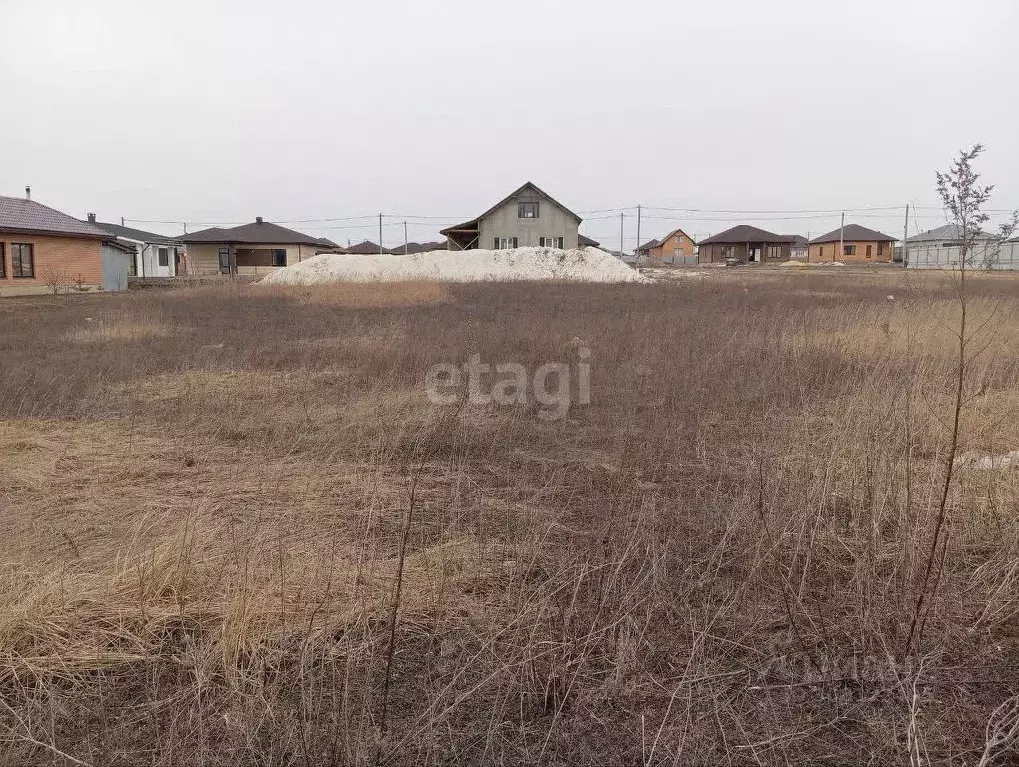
{"points": [[366, 248], [23, 215], [121, 246], [473, 223], [799, 240], [587, 242], [949, 232], [649, 244], [746, 233], [256, 233], [853, 233], [134, 234]]}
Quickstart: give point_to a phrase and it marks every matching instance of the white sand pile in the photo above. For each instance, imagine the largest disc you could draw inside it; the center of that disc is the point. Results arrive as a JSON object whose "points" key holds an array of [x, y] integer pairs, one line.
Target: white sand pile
{"points": [[582, 265]]}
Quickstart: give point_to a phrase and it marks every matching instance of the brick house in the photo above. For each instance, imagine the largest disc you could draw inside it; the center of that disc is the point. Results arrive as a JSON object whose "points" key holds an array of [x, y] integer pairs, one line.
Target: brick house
{"points": [[746, 244], [677, 247], [858, 243], [42, 249]]}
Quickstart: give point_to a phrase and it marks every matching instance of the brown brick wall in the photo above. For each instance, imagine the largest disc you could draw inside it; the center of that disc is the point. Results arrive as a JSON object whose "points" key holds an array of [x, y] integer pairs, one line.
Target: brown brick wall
{"points": [[667, 250], [880, 252], [68, 258]]}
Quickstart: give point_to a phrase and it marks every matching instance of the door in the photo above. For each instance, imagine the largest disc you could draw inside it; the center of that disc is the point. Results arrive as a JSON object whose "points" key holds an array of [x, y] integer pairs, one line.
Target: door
{"points": [[116, 265], [224, 260], [755, 253]]}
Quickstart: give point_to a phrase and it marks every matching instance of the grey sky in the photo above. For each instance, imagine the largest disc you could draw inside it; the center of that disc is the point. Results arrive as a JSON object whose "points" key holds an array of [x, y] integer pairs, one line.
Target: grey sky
{"points": [[221, 111]]}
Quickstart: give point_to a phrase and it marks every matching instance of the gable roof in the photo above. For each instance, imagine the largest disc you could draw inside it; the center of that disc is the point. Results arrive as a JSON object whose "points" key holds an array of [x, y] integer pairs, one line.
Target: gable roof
{"points": [[853, 233], [587, 242], [135, 234], [746, 233], [23, 215], [474, 222], [799, 241], [256, 233], [673, 233], [948, 232]]}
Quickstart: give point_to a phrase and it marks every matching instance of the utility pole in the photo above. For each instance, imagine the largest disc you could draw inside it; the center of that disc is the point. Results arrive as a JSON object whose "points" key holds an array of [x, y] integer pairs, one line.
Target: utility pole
{"points": [[842, 238], [905, 235], [620, 235], [406, 247], [380, 234], [636, 251]]}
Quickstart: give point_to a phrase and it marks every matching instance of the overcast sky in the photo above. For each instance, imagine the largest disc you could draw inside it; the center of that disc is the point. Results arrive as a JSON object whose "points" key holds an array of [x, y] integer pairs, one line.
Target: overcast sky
{"points": [[313, 109]]}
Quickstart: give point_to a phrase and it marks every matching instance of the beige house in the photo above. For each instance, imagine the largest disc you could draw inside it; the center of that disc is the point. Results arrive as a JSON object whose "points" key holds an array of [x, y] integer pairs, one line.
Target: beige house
{"points": [[249, 250], [526, 218]]}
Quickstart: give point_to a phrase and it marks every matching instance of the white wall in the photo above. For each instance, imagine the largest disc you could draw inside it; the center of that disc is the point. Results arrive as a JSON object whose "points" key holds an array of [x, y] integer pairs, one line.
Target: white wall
{"points": [[147, 259], [985, 256]]}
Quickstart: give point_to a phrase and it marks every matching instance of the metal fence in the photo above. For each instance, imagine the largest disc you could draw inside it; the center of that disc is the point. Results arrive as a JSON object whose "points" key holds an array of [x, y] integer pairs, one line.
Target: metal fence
{"points": [[985, 256]]}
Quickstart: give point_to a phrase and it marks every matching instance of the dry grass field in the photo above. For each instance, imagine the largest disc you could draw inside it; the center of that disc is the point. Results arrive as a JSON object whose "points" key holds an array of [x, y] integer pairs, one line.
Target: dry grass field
{"points": [[234, 530]]}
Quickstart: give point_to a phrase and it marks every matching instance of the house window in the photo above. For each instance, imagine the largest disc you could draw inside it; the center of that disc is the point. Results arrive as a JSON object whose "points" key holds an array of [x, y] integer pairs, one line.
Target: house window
{"points": [[820, 251], [22, 260], [774, 251], [527, 210], [3, 261], [132, 266], [848, 250], [869, 250], [505, 243], [728, 251], [279, 258], [224, 260], [880, 248], [551, 242], [164, 256]]}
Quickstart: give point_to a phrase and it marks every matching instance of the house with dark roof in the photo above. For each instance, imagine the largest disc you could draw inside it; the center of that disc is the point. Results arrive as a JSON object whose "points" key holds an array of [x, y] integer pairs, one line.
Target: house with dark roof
{"points": [[800, 247], [43, 250], [250, 249], [746, 244], [155, 255], [527, 217], [677, 247], [852, 242]]}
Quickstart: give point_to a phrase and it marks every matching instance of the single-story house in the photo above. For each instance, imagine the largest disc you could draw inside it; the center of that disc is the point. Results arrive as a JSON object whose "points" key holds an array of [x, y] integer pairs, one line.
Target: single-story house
{"points": [[746, 244], [800, 247], [43, 250], [941, 248], [251, 249], [526, 218], [674, 248], [858, 243], [156, 255]]}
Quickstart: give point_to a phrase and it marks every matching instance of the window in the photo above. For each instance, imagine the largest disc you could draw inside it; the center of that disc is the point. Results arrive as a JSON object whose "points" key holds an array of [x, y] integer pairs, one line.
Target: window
{"points": [[848, 250], [22, 260], [728, 251], [164, 256], [279, 258], [132, 267], [820, 251], [505, 243], [3, 261], [527, 210], [869, 250], [551, 242], [880, 248], [224, 260], [774, 251]]}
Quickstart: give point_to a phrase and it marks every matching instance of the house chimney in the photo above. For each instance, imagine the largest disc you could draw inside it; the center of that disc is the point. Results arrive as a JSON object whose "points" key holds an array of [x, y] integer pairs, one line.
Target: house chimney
{"points": [[258, 219], [91, 218], [28, 193]]}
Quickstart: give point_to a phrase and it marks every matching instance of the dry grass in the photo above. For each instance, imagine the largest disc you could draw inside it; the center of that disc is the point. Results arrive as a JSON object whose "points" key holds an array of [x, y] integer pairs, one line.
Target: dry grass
{"points": [[714, 563]]}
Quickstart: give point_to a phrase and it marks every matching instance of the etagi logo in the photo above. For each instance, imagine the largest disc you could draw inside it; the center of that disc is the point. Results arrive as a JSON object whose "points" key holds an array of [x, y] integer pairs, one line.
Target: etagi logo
{"points": [[510, 383]]}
